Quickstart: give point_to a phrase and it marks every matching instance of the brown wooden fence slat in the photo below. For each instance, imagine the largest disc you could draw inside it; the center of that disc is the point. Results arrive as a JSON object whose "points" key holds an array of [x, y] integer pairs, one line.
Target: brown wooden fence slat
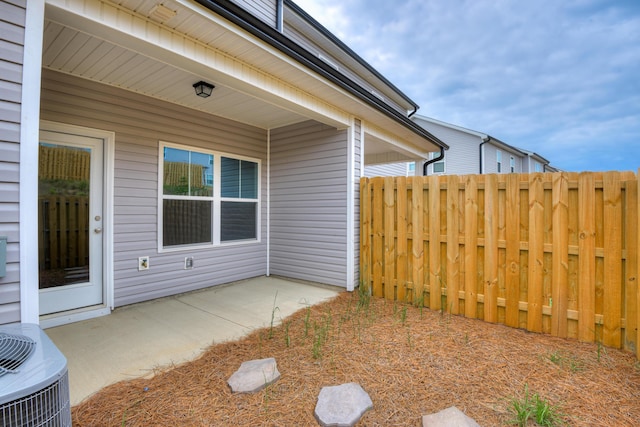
{"points": [[491, 248], [560, 259], [586, 254], [631, 311], [402, 240], [389, 238], [453, 248], [435, 288], [612, 255], [377, 249], [365, 234], [471, 247], [512, 256], [417, 237], [536, 253]]}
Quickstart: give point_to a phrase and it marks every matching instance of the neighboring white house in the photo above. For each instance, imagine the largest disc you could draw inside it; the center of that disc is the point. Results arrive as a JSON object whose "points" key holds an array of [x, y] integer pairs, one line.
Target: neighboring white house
{"points": [[470, 152], [168, 191]]}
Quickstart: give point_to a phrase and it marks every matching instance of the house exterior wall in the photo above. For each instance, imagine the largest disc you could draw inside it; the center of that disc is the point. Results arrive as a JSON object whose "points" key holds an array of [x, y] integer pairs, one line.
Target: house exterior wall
{"points": [[308, 237], [139, 124], [12, 32], [463, 156], [387, 169], [263, 9]]}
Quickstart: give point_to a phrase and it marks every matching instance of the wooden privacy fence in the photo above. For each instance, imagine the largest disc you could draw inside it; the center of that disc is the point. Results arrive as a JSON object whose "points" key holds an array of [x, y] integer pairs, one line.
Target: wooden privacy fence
{"points": [[551, 253], [63, 226], [63, 163]]}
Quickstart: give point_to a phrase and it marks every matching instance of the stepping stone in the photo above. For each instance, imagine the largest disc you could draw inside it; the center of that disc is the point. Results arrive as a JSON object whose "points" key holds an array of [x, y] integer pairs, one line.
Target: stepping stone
{"points": [[450, 417], [254, 375], [342, 405]]}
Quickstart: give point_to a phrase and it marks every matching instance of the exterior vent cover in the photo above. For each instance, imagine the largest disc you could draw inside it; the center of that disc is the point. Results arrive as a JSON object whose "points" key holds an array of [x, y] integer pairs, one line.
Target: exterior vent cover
{"points": [[34, 383], [14, 350]]}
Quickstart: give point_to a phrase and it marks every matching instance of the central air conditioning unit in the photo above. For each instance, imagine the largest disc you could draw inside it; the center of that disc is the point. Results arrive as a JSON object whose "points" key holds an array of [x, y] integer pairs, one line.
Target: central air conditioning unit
{"points": [[34, 383]]}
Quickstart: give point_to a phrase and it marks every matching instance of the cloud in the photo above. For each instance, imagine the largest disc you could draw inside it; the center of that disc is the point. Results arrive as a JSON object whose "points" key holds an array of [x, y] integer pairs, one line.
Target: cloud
{"points": [[558, 78]]}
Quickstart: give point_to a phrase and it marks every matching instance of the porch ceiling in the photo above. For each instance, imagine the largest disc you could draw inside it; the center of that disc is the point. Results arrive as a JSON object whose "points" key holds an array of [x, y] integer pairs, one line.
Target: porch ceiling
{"points": [[74, 52], [120, 43]]}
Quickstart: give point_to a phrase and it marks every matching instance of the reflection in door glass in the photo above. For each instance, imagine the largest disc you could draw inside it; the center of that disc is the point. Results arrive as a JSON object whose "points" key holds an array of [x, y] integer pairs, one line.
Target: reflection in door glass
{"points": [[63, 214]]}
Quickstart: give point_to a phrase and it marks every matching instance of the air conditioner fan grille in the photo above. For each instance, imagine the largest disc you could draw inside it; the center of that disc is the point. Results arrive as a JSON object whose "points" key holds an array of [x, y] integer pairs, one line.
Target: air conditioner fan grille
{"points": [[14, 350]]}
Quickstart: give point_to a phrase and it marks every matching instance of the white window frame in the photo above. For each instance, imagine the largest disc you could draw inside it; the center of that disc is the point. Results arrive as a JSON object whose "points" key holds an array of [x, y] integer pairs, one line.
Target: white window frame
{"points": [[216, 199], [499, 161], [537, 167]]}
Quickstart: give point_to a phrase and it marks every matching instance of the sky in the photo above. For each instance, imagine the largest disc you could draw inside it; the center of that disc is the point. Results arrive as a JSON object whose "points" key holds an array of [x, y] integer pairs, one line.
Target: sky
{"points": [[559, 78]]}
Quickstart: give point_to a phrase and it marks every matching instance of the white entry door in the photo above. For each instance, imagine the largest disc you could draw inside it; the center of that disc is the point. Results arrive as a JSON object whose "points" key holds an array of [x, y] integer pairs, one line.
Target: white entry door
{"points": [[70, 211]]}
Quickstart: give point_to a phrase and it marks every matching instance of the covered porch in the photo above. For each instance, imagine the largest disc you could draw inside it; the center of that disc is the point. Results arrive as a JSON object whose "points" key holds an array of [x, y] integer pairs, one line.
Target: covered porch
{"points": [[136, 339]]}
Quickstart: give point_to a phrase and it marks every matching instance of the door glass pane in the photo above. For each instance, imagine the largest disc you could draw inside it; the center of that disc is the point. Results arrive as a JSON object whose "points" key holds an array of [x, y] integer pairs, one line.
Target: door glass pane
{"points": [[63, 214]]}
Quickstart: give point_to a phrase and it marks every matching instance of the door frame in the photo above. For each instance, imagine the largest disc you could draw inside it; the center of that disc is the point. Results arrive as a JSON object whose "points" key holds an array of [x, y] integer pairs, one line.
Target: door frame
{"points": [[108, 137]]}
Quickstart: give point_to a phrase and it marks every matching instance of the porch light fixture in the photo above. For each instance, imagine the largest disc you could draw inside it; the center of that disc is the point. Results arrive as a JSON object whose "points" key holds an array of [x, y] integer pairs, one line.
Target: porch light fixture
{"points": [[203, 89]]}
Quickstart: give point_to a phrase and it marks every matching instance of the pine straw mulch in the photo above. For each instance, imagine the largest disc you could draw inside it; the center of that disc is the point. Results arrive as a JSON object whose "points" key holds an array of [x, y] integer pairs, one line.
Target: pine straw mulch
{"points": [[411, 362]]}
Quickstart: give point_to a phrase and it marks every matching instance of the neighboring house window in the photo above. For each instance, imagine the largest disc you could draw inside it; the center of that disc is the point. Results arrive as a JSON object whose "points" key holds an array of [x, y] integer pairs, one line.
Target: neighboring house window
{"points": [[512, 164], [499, 161], [411, 169], [538, 167], [438, 167], [207, 197]]}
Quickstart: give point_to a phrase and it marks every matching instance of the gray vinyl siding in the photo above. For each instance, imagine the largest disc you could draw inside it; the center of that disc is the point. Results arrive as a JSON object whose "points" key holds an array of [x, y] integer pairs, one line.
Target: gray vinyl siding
{"points": [[262, 9], [12, 23], [308, 203], [139, 124], [387, 169], [463, 155]]}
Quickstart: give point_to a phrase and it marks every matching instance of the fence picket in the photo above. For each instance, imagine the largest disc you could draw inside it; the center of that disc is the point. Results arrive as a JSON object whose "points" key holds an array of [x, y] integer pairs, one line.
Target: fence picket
{"points": [[560, 257], [586, 257], [631, 312], [471, 247], [417, 253], [536, 253], [402, 240], [377, 248], [491, 248], [389, 238], [612, 311], [453, 247], [435, 272], [512, 256]]}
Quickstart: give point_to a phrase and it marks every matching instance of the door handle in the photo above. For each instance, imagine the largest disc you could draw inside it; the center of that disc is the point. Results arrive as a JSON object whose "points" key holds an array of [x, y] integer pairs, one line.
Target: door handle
{"points": [[97, 230]]}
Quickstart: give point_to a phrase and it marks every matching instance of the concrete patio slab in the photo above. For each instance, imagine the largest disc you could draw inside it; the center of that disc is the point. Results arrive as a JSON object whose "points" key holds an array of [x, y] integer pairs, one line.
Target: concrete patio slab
{"points": [[133, 340]]}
